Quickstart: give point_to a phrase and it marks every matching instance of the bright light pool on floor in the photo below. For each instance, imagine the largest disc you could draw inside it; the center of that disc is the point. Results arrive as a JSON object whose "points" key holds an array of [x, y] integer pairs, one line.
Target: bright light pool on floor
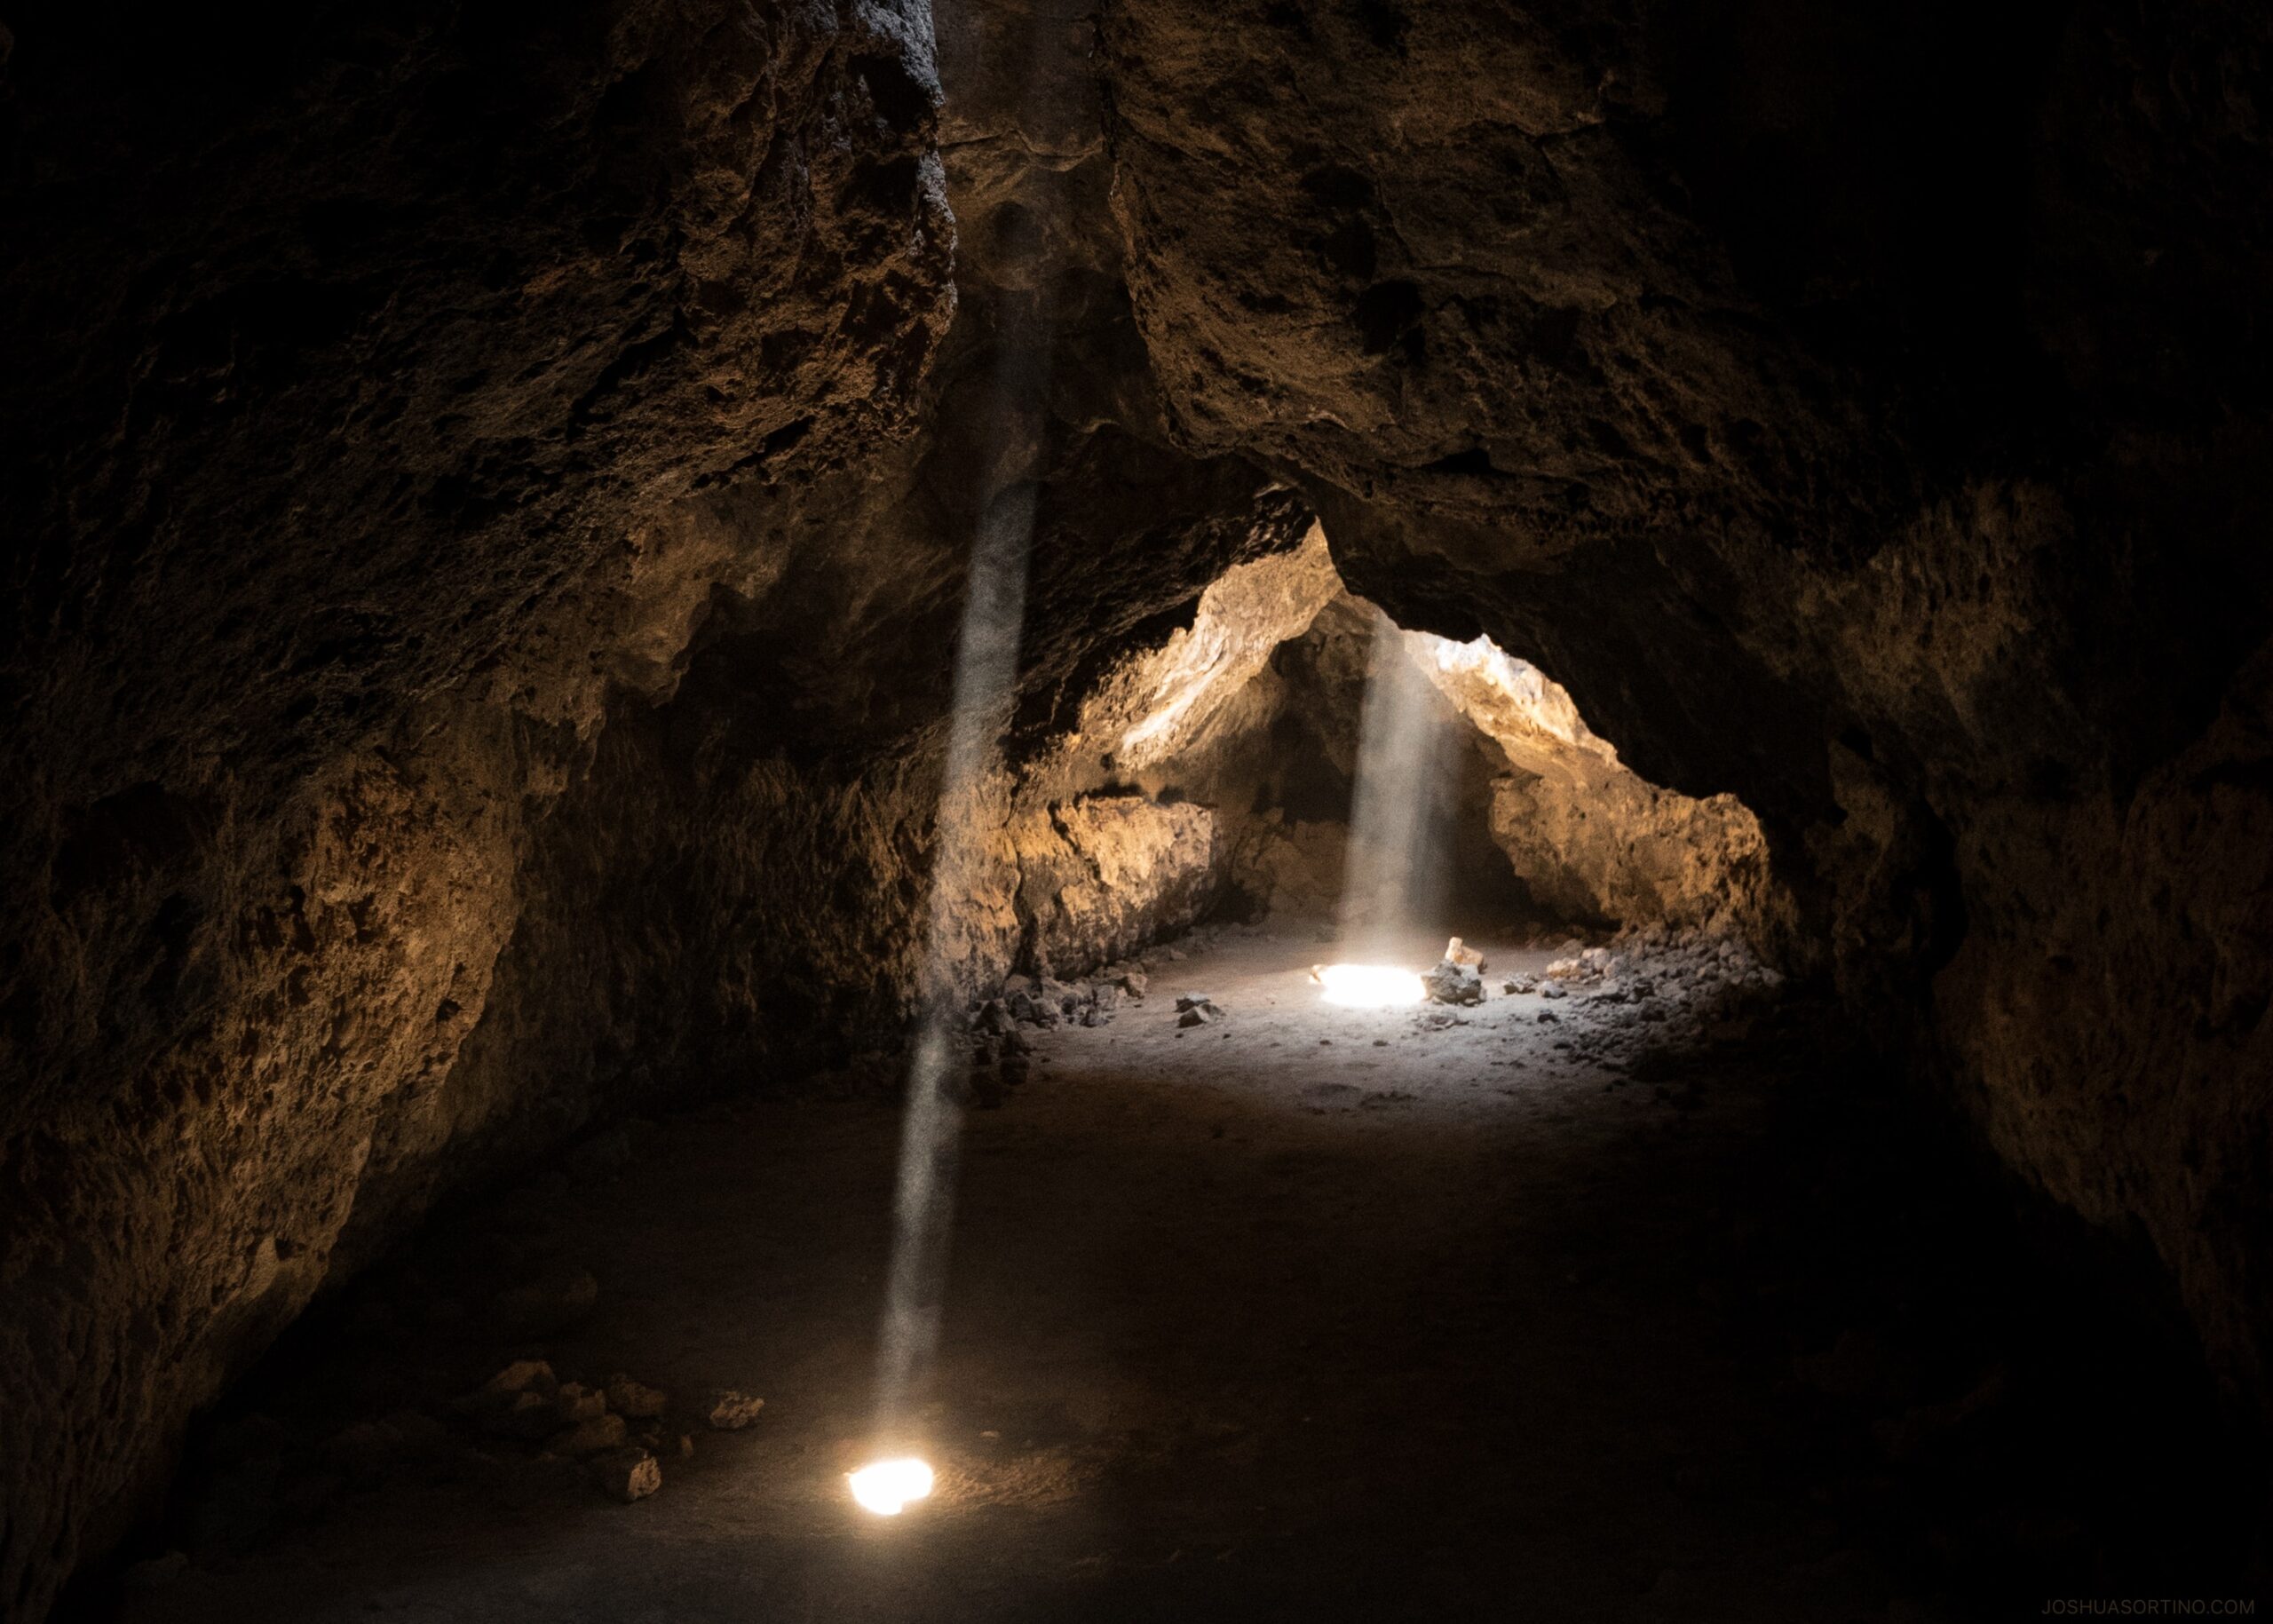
{"points": [[888, 1487], [1369, 986]]}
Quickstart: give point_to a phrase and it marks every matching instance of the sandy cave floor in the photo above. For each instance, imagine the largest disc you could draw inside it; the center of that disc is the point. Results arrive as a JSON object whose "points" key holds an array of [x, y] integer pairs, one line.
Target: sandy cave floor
{"points": [[1314, 1313]]}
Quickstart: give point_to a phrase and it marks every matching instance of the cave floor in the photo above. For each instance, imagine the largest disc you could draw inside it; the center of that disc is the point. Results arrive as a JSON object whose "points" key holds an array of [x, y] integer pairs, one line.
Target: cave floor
{"points": [[1315, 1314]]}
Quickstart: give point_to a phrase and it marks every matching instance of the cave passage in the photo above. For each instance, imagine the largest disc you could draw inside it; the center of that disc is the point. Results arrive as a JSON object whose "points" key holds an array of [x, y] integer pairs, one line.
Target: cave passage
{"points": [[959, 810], [1612, 1280]]}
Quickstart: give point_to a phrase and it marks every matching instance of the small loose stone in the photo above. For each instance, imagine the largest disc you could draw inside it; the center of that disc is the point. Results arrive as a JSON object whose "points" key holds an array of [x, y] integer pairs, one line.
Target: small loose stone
{"points": [[627, 1474], [731, 1410]]}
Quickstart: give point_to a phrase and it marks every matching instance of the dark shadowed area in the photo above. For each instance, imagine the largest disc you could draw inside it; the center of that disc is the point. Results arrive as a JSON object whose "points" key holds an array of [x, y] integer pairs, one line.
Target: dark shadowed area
{"points": [[1753, 516]]}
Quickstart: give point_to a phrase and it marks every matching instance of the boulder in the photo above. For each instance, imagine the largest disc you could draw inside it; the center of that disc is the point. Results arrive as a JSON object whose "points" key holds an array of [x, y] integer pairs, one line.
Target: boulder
{"points": [[1451, 982], [523, 1375]]}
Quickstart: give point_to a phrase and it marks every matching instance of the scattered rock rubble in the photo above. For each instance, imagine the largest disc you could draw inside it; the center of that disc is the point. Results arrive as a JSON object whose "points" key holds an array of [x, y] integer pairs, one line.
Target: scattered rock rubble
{"points": [[1654, 985], [1044, 1002], [1673, 969], [522, 1429], [615, 1431], [999, 1026], [1655, 963], [1650, 987]]}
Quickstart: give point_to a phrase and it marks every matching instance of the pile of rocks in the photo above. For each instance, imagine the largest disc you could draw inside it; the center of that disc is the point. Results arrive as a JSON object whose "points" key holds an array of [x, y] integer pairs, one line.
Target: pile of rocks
{"points": [[1196, 1010], [257, 1475], [1523, 981], [1647, 990], [998, 1060], [1043, 1001], [1656, 964], [615, 1431], [999, 1026]]}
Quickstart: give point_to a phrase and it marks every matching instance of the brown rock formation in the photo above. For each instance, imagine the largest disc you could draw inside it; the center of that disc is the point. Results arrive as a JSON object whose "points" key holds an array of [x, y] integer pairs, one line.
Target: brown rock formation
{"points": [[345, 357], [1856, 415], [492, 501], [1591, 840]]}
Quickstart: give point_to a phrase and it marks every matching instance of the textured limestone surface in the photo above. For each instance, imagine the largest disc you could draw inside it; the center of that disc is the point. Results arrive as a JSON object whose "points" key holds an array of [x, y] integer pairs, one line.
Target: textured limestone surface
{"points": [[1124, 871], [1864, 414], [348, 360], [1593, 841], [491, 500], [1254, 711]]}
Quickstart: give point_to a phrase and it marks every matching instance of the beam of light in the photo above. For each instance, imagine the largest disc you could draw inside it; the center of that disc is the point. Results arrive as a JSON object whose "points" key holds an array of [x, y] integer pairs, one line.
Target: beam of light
{"points": [[1369, 986], [888, 1487], [986, 683], [980, 707], [1394, 874], [923, 1205]]}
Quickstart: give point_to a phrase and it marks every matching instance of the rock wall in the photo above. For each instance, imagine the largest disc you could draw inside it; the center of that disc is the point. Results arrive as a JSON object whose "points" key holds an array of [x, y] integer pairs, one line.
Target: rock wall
{"points": [[1210, 724], [1255, 712], [1593, 842], [477, 664], [1862, 413], [492, 498], [1124, 871], [347, 361], [728, 890]]}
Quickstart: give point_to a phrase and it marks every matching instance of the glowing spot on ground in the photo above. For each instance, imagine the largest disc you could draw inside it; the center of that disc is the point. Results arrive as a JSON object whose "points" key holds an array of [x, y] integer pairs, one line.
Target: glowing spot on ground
{"points": [[889, 1486], [1369, 986]]}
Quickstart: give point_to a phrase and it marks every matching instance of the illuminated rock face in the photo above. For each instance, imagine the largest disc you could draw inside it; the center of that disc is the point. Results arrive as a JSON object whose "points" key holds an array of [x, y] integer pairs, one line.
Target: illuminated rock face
{"points": [[491, 509], [354, 367], [1594, 841], [1854, 433], [1124, 871], [494, 509], [1279, 650]]}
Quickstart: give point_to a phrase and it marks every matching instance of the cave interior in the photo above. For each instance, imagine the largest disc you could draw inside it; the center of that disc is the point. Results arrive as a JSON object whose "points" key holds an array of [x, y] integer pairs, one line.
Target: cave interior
{"points": [[1401, 809]]}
